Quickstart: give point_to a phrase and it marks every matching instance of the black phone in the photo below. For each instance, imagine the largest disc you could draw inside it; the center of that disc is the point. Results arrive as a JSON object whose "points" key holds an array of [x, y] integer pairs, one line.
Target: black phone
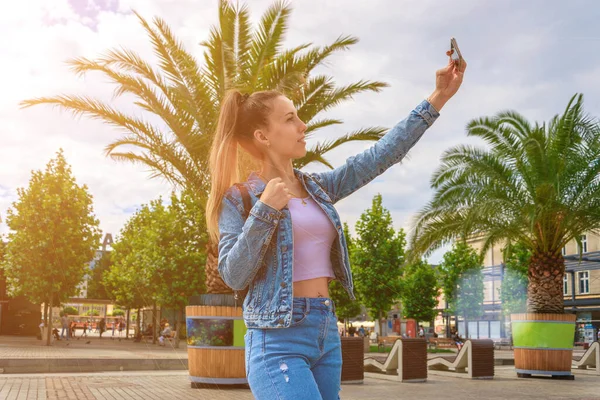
{"points": [[456, 56]]}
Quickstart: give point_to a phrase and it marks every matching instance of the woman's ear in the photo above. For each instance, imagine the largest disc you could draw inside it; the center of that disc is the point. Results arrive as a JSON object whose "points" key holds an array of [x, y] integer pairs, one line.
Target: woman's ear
{"points": [[261, 138]]}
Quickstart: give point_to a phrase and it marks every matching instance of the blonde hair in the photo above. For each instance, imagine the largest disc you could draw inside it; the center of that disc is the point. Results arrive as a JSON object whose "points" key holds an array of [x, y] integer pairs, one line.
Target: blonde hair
{"points": [[239, 117]]}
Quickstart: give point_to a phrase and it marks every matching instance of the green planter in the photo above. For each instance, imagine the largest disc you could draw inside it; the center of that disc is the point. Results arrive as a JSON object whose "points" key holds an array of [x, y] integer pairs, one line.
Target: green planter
{"points": [[543, 344]]}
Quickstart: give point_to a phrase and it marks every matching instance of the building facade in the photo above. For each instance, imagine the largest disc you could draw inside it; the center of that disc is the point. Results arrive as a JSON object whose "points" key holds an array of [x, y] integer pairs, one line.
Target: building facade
{"points": [[581, 289]]}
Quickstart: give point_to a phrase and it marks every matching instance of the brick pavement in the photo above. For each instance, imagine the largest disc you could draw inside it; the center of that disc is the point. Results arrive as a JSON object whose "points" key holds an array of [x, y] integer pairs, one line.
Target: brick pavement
{"points": [[30, 348], [175, 385]]}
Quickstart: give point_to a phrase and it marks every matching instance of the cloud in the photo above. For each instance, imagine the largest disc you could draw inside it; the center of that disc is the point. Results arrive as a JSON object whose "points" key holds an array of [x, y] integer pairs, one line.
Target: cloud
{"points": [[531, 57]]}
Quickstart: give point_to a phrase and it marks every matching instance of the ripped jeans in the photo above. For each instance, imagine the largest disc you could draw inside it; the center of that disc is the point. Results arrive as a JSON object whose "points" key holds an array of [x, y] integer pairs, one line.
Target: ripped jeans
{"points": [[302, 362]]}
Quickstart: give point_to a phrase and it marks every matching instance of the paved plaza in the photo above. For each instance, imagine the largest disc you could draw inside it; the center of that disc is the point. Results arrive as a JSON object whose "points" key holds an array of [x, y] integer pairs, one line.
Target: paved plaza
{"points": [[175, 385], [171, 382]]}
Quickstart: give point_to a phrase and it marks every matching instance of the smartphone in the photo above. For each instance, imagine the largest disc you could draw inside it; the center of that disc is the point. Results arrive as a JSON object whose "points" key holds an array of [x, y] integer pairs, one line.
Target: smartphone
{"points": [[456, 56]]}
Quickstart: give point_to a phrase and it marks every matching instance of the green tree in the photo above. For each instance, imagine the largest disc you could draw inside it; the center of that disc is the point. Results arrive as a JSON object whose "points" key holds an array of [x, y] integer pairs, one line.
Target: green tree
{"points": [[181, 240], [185, 96], [93, 313], [117, 312], [54, 235], [535, 184], [96, 288], [420, 290], [159, 254], [70, 310], [127, 279], [461, 279], [377, 257], [345, 308], [513, 292]]}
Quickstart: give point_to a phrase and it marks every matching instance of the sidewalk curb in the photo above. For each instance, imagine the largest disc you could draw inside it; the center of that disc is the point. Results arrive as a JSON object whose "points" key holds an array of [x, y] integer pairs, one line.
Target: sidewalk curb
{"points": [[50, 365]]}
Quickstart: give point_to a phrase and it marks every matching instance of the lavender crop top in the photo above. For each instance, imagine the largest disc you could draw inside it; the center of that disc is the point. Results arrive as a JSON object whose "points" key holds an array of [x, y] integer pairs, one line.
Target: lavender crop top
{"points": [[313, 234]]}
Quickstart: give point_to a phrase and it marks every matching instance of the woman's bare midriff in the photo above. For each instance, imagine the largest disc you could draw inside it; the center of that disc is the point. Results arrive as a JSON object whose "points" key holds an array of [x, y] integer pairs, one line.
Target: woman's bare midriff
{"points": [[317, 287]]}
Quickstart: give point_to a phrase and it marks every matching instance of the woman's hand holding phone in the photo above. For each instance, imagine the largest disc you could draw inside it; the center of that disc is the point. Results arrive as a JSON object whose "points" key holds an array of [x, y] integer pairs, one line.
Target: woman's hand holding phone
{"points": [[448, 79]]}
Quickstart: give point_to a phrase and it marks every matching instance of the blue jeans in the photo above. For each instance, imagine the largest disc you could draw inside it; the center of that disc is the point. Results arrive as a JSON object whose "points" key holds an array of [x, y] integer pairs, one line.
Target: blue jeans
{"points": [[62, 332], [301, 362]]}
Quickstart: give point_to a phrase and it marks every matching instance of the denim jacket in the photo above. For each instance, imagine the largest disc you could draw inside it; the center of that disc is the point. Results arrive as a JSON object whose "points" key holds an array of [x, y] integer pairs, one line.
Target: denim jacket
{"points": [[258, 251]]}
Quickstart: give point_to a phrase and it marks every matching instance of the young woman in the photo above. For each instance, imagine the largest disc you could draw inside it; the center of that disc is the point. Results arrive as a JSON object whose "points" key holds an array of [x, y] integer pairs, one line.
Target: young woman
{"points": [[290, 245]]}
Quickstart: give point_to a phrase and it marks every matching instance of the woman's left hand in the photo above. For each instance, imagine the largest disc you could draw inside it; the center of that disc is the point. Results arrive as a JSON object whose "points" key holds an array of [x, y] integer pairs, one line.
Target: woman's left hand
{"points": [[447, 82]]}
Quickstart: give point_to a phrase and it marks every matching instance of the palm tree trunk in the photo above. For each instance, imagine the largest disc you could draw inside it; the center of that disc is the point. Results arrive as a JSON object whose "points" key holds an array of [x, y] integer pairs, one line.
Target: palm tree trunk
{"points": [[214, 283], [545, 289]]}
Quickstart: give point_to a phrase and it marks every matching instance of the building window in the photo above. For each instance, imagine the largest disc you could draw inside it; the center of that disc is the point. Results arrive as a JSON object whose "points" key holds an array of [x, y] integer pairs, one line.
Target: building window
{"points": [[584, 282], [566, 284], [583, 244]]}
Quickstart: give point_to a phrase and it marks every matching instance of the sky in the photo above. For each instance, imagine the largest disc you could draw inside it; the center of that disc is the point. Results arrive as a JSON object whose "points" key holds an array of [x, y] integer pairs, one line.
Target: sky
{"points": [[528, 56]]}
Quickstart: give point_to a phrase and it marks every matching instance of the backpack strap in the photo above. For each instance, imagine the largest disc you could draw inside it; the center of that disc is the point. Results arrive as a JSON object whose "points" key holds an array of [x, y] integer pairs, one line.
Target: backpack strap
{"points": [[245, 199]]}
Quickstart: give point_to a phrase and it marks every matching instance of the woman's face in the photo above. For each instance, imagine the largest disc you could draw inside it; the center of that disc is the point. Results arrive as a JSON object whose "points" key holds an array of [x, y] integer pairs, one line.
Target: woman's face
{"points": [[285, 132]]}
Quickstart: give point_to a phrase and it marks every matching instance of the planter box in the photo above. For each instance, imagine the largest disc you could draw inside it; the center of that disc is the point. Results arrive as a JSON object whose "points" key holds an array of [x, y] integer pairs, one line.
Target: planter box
{"points": [[543, 344], [215, 344], [352, 359]]}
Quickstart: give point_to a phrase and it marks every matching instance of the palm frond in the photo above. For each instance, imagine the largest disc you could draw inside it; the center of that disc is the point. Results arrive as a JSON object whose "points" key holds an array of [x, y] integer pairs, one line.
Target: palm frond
{"points": [[537, 184], [185, 97], [268, 39], [314, 125], [311, 156]]}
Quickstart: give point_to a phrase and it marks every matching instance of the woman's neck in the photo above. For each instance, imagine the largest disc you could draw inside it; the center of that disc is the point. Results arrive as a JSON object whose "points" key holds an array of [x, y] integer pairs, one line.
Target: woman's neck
{"points": [[285, 171]]}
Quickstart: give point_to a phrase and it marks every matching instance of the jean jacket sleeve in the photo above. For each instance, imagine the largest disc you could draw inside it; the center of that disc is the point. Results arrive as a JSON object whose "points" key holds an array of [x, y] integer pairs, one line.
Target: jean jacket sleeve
{"points": [[361, 169], [242, 244]]}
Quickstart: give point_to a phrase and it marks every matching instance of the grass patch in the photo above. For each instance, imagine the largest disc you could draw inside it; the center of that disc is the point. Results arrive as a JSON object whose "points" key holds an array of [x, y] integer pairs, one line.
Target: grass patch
{"points": [[376, 349]]}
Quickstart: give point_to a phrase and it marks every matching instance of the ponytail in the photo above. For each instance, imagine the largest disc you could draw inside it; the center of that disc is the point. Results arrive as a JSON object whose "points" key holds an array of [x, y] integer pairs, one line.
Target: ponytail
{"points": [[240, 116], [223, 160]]}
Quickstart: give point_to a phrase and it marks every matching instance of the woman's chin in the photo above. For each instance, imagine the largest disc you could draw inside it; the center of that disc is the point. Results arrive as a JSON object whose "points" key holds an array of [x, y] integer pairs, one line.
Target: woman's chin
{"points": [[299, 154]]}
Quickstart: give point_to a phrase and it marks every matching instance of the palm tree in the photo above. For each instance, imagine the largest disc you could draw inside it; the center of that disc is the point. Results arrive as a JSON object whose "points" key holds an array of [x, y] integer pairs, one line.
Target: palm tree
{"points": [[538, 185], [186, 96]]}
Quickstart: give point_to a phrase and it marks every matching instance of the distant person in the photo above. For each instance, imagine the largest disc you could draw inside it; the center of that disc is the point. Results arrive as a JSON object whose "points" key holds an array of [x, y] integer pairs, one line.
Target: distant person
{"points": [[458, 340], [421, 332], [361, 331], [73, 327], [41, 326], [373, 336], [149, 330], [101, 326], [165, 334], [64, 333], [351, 330], [85, 328]]}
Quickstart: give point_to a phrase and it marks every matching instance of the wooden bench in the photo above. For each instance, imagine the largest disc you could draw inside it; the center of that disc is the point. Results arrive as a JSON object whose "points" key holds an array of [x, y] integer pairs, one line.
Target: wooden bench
{"points": [[503, 342], [442, 343], [585, 345], [590, 359], [173, 336], [383, 341], [476, 356], [407, 361]]}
